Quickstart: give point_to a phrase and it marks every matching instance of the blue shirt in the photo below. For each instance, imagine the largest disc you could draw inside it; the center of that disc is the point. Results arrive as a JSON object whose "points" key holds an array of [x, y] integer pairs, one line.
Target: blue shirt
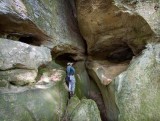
{"points": [[70, 70]]}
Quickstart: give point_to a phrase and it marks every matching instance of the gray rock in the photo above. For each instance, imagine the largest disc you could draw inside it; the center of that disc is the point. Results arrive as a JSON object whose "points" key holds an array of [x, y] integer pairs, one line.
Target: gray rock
{"points": [[82, 110], [82, 80], [15, 54], [18, 76], [34, 103], [46, 22], [137, 89], [3, 83]]}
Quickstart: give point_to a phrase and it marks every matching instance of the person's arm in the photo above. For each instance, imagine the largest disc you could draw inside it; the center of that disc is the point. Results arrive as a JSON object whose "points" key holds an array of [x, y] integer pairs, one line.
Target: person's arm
{"points": [[68, 70], [72, 70]]}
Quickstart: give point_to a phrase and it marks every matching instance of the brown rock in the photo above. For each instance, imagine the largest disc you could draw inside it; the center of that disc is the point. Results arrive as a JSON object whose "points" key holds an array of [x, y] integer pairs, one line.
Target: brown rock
{"points": [[106, 71], [107, 28]]}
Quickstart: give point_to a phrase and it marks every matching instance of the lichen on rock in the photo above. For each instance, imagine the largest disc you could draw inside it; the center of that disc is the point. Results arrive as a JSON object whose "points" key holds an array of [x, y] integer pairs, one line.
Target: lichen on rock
{"points": [[137, 90], [82, 110]]}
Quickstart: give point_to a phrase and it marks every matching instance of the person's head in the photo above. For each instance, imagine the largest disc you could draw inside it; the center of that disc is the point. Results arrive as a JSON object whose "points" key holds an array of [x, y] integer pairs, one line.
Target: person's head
{"points": [[69, 64]]}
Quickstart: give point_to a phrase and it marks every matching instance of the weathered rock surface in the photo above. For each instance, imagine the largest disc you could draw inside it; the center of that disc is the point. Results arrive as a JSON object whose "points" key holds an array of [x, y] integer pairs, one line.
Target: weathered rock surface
{"points": [[86, 87], [15, 54], [82, 80], [101, 72], [105, 71], [82, 110], [36, 103], [18, 76], [114, 31], [137, 89], [111, 30], [148, 9], [42, 22]]}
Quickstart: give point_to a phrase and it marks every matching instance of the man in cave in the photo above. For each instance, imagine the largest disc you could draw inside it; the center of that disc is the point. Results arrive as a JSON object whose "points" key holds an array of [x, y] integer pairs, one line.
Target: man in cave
{"points": [[70, 78]]}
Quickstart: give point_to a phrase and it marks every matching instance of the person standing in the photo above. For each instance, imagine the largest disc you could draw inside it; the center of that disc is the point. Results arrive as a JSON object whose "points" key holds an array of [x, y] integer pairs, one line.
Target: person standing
{"points": [[71, 78]]}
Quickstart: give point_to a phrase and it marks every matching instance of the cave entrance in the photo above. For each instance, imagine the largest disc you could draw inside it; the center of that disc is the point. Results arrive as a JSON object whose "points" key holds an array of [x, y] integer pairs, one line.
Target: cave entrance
{"points": [[120, 55], [30, 40], [64, 58]]}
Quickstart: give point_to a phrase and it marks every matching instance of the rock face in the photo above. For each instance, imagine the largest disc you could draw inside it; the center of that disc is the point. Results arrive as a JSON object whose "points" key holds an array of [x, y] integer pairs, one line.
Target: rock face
{"points": [[104, 25], [20, 55], [106, 71], [137, 89], [82, 80], [42, 23], [115, 31], [18, 76], [38, 38], [149, 10], [103, 73], [19, 61], [39, 103], [84, 110]]}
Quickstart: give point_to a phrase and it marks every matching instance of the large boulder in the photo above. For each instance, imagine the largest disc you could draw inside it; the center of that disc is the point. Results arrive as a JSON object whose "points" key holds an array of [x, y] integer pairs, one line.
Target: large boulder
{"points": [[137, 89], [111, 30], [19, 62], [42, 22], [15, 54], [105, 70], [82, 110], [45, 102]]}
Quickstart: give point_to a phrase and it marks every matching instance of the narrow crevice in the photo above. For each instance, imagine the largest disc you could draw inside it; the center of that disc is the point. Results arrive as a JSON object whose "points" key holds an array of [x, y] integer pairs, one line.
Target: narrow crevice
{"points": [[99, 100], [72, 6]]}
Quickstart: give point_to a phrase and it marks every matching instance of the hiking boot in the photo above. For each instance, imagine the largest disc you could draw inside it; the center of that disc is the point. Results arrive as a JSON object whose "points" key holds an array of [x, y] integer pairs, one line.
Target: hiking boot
{"points": [[70, 95]]}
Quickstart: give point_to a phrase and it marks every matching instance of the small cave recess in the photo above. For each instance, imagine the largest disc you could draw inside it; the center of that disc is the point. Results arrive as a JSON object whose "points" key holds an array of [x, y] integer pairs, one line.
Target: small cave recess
{"points": [[120, 55], [30, 40], [64, 58]]}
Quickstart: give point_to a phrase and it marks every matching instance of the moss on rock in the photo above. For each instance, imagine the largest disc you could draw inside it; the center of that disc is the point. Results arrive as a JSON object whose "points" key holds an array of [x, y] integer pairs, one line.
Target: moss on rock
{"points": [[137, 89], [82, 110], [39, 103]]}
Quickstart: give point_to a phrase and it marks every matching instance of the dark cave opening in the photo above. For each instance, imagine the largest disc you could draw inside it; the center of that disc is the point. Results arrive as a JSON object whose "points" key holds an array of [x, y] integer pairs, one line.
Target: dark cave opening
{"points": [[120, 55], [64, 58], [30, 40]]}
